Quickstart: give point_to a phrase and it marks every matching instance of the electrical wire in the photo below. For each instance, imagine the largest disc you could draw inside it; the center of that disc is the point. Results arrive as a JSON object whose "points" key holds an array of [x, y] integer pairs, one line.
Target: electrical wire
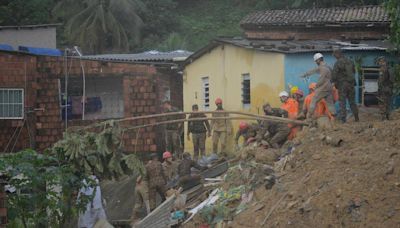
{"points": [[19, 133]]}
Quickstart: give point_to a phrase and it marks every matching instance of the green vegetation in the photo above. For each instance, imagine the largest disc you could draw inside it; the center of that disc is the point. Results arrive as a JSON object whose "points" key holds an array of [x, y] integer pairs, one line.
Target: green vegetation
{"points": [[46, 184], [99, 26]]}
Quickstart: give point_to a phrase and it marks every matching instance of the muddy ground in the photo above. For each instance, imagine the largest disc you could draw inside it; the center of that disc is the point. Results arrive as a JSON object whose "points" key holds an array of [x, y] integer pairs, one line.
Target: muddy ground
{"points": [[356, 184]]}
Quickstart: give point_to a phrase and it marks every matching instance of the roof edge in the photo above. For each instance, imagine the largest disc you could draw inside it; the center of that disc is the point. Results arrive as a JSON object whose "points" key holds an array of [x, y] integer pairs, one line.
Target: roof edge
{"points": [[29, 26]]}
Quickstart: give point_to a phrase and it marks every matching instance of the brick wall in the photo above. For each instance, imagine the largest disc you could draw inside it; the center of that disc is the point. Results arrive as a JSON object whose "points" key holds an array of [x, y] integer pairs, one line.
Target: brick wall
{"points": [[141, 87], [15, 134], [324, 33]]}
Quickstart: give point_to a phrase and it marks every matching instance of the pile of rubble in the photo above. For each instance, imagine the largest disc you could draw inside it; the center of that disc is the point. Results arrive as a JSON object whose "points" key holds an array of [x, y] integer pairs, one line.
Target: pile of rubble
{"points": [[346, 176]]}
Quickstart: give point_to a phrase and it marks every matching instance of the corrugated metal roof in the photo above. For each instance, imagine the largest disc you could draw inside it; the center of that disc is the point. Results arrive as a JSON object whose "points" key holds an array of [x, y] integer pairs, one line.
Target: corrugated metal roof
{"points": [[301, 46], [28, 26], [294, 46], [317, 16], [150, 56]]}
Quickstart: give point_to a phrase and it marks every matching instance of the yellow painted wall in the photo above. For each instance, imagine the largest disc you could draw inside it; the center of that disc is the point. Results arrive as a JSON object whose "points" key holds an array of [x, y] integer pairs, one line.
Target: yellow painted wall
{"points": [[224, 65]]}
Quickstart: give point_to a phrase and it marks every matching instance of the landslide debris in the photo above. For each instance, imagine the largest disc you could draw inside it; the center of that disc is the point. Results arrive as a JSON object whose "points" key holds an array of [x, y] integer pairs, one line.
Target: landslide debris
{"points": [[342, 177]]}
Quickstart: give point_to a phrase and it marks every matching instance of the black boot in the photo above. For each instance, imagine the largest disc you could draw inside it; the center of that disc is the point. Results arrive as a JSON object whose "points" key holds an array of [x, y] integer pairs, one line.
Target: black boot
{"points": [[356, 118]]}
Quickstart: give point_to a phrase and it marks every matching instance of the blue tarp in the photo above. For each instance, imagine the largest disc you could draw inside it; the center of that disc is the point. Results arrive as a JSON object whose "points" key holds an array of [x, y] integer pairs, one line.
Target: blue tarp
{"points": [[6, 47], [40, 51]]}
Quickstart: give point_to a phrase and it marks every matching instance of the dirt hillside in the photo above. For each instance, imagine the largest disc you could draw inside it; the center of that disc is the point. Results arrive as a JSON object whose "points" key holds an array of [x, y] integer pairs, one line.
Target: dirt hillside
{"points": [[355, 184]]}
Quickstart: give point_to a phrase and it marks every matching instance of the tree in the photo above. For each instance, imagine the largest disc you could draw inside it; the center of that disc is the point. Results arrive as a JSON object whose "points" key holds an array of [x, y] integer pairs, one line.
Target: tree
{"points": [[25, 12], [101, 25], [393, 9], [160, 22]]}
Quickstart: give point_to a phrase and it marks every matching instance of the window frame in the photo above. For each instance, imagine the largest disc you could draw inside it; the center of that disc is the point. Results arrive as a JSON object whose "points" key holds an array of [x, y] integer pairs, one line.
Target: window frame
{"points": [[205, 104], [246, 77], [22, 104]]}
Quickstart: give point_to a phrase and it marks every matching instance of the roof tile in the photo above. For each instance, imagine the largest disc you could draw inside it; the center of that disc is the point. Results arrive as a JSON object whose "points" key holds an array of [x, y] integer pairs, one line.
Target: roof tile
{"points": [[348, 15]]}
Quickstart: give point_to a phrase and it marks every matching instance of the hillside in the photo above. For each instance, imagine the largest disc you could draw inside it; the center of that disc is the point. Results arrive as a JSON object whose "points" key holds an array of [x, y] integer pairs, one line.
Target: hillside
{"points": [[353, 185]]}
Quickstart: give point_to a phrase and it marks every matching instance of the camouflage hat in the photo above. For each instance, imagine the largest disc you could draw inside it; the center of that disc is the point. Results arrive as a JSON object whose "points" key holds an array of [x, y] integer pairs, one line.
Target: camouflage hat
{"points": [[266, 105], [153, 155], [379, 59], [186, 155]]}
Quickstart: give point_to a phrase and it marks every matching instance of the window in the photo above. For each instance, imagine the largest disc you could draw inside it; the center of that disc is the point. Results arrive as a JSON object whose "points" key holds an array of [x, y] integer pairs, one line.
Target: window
{"points": [[11, 103], [246, 90], [104, 98], [206, 93]]}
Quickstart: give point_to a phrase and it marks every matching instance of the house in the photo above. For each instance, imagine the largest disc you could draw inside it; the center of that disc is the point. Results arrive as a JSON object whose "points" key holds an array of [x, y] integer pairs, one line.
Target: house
{"points": [[341, 23], [39, 36], [247, 72], [35, 107]]}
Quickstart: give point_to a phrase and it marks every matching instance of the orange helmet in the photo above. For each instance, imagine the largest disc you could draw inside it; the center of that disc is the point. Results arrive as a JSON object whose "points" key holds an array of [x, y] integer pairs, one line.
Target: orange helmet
{"points": [[166, 155], [218, 101], [243, 125], [312, 86]]}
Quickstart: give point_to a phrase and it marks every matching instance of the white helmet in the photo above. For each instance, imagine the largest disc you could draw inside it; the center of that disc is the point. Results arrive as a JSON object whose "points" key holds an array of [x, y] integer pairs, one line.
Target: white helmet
{"points": [[318, 56], [283, 94]]}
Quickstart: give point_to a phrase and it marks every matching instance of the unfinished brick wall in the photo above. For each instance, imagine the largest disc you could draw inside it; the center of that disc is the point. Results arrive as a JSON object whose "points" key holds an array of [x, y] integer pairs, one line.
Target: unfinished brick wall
{"points": [[317, 33], [18, 72], [141, 88]]}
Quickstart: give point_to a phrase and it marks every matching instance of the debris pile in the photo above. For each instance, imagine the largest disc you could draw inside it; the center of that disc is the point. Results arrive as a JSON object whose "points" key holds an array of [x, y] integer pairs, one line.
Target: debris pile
{"points": [[345, 176]]}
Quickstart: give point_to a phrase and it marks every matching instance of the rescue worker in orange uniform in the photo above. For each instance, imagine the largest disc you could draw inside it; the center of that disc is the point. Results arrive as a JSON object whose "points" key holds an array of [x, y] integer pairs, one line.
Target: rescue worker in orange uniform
{"points": [[292, 107], [321, 107], [298, 95]]}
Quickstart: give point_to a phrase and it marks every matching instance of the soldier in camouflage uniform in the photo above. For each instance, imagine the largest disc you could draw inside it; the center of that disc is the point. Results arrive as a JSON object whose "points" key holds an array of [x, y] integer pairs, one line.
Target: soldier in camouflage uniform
{"points": [[141, 198], [275, 133], [246, 131], [198, 128], [343, 77], [385, 87], [184, 170], [156, 179], [173, 131]]}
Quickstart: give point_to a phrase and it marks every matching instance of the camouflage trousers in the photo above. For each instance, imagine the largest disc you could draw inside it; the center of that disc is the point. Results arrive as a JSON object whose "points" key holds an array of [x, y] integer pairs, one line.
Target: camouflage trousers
{"points": [[219, 136], [173, 142], [385, 103], [280, 137], [161, 189], [346, 92], [141, 199], [199, 144]]}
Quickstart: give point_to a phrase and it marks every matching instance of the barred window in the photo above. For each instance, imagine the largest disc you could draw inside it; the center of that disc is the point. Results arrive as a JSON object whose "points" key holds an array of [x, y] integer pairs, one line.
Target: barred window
{"points": [[206, 93], [11, 103], [246, 90]]}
